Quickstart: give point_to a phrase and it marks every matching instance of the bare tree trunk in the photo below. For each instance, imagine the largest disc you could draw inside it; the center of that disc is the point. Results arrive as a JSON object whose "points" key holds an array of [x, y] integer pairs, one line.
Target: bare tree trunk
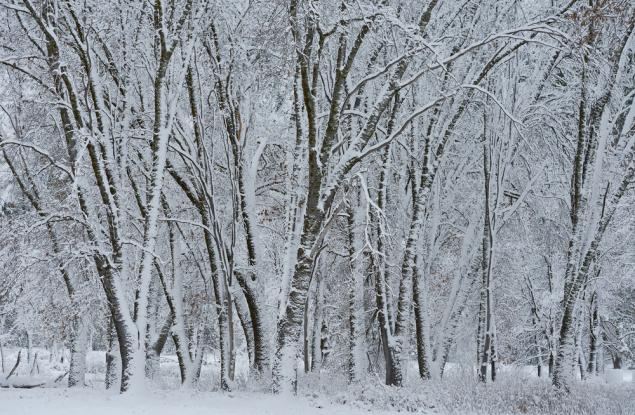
{"points": [[463, 291], [537, 342], [355, 299], [220, 298], [2, 354], [385, 330], [153, 354], [245, 322], [229, 304], [307, 339], [29, 347], [311, 324], [113, 360], [617, 360], [420, 325], [419, 294], [389, 341], [2, 360], [315, 336], [78, 346], [487, 352], [34, 366], [594, 335], [289, 327], [15, 367]]}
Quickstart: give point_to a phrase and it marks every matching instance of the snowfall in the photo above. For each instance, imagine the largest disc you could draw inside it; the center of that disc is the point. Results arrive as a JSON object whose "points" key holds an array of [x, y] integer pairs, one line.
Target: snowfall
{"points": [[518, 391]]}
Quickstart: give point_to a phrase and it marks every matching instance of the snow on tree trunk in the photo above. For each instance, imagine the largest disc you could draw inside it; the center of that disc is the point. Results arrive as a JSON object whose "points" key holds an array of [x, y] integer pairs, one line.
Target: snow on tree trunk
{"points": [[78, 346], [486, 327], [355, 299], [113, 359]]}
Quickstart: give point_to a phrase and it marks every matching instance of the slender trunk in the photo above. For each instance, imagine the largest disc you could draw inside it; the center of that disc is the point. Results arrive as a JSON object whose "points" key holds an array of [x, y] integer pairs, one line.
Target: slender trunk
{"points": [[325, 343], [219, 296], [153, 354], [551, 360], [124, 327], [420, 326], [314, 337], [289, 327], [2, 357], [617, 360], [2, 354], [257, 332], [29, 347], [580, 360], [390, 344], [594, 335], [78, 340], [151, 358], [385, 331], [485, 307], [231, 355], [245, 322], [15, 366], [355, 289], [261, 355], [307, 351], [448, 330], [223, 330], [493, 355], [419, 292], [113, 360], [551, 339], [537, 342]]}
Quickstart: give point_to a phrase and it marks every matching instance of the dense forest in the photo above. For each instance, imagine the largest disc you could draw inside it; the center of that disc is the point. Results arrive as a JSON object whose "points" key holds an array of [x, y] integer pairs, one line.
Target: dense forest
{"points": [[373, 190]]}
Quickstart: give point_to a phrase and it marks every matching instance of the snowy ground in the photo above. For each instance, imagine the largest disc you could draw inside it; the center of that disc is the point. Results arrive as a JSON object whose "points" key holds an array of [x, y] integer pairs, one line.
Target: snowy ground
{"points": [[451, 398], [517, 391], [96, 402]]}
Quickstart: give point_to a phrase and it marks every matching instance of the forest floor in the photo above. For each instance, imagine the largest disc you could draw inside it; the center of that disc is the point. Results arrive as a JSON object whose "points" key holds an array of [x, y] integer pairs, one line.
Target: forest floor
{"points": [[517, 391], [87, 401]]}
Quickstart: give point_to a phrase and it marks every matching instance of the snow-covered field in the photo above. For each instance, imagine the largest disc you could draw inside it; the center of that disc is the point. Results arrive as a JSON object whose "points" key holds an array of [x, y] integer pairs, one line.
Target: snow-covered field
{"points": [[517, 391], [162, 398], [99, 402], [449, 398]]}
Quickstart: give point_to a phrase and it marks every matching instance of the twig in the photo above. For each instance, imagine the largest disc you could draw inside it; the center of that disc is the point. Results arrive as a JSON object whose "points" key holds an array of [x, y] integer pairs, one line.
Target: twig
{"points": [[60, 377], [17, 363]]}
